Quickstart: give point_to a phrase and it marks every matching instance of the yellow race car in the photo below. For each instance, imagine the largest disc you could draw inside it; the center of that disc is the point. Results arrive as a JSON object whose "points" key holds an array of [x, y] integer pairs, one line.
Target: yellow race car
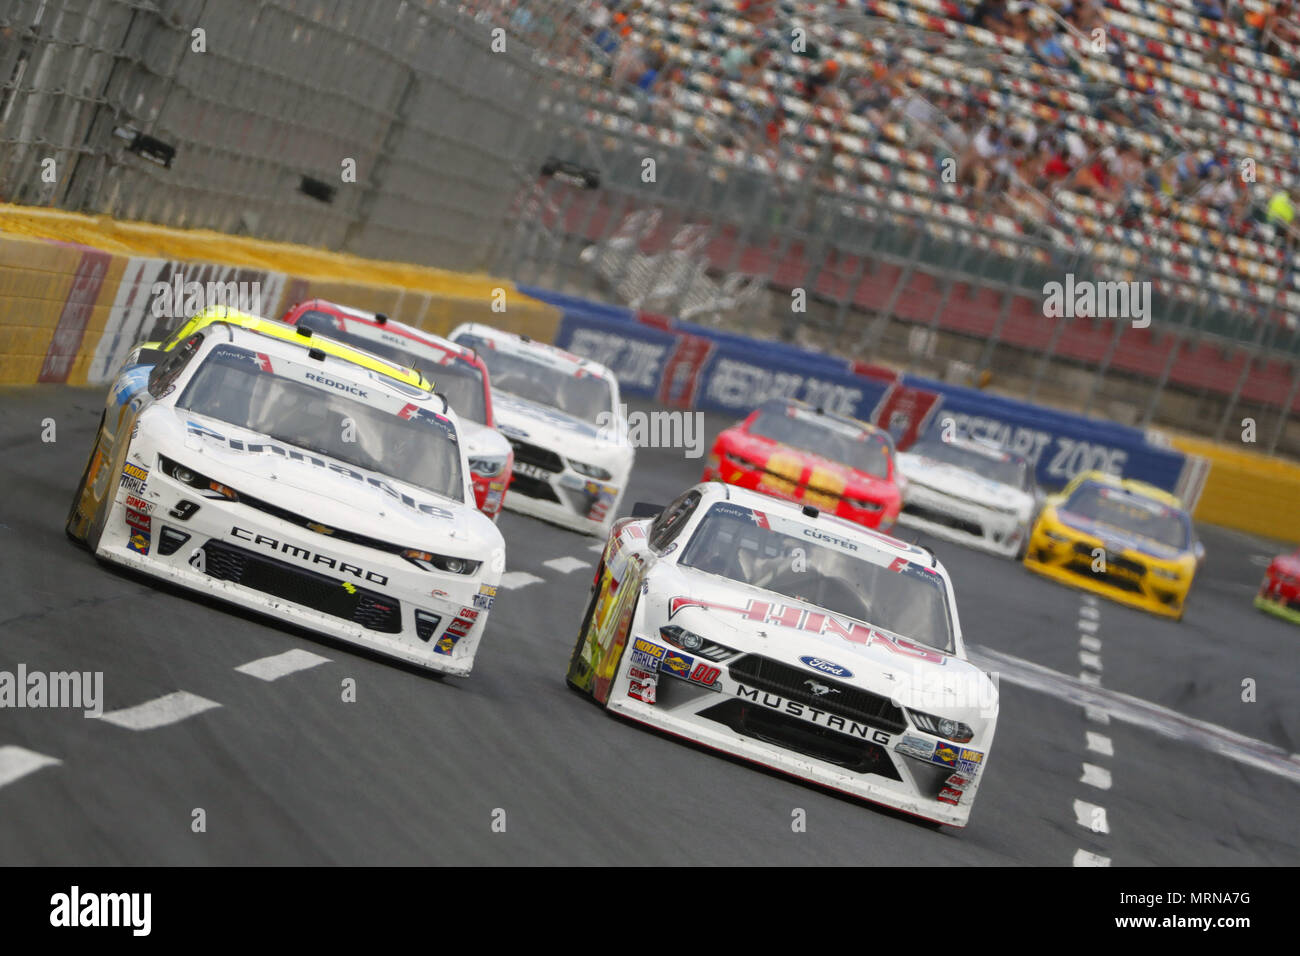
{"points": [[1123, 539]]}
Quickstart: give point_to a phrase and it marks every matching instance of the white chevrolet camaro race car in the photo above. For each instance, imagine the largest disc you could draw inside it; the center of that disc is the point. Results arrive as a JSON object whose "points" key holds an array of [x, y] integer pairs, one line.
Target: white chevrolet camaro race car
{"points": [[966, 491], [792, 639], [301, 485], [564, 420]]}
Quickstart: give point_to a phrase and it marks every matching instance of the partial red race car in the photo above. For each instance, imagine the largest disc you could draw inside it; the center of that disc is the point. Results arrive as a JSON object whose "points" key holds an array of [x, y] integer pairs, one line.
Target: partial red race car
{"points": [[791, 450], [456, 371], [1280, 591]]}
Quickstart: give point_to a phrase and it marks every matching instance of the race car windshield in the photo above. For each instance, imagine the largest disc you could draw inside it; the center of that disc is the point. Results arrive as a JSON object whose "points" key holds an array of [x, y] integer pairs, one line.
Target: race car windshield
{"points": [[863, 451], [421, 450], [1130, 513], [581, 395], [460, 382], [909, 602], [1011, 471]]}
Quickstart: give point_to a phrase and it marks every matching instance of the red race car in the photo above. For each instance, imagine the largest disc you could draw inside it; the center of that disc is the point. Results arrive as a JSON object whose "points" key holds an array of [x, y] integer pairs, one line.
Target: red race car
{"points": [[1280, 591], [457, 373], [793, 451]]}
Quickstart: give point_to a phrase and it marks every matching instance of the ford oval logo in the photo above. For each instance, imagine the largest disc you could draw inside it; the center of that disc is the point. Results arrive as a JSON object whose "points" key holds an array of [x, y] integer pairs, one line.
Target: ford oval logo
{"points": [[826, 667]]}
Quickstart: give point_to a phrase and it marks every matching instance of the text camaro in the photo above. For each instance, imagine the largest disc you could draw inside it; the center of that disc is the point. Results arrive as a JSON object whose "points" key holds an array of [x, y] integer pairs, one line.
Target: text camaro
{"points": [[562, 415], [794, 640], [301, 486]]}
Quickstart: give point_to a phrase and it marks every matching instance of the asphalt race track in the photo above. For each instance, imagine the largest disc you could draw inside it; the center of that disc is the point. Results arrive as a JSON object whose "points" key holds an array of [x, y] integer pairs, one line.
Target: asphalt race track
{"points": [[417, 769]]}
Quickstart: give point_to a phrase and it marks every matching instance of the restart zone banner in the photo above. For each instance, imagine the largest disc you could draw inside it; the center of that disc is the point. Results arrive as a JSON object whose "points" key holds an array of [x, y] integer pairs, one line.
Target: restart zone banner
{"points": [[688, 366]]}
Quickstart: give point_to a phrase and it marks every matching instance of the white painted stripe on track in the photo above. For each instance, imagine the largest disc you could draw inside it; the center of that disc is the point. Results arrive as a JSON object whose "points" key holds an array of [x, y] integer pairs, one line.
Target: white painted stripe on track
{"points": [[168, 709], [1095, 776], [1089, 643], [1088, 626], [1090, 678], [18, 762], [1084, 858], [1097, 715], [1089, 612], [281, 665], [1090, 660], [518, 579], [1091, 816], [1099, 743], [1133, 710], [565, 565]]}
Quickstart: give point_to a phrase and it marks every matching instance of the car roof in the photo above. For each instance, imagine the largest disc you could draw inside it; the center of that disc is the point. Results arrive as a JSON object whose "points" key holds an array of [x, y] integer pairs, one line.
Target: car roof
{"points": [[379, 320], [302, 339], [877, 540], [982, 447], [847, 420], [558, 358]]}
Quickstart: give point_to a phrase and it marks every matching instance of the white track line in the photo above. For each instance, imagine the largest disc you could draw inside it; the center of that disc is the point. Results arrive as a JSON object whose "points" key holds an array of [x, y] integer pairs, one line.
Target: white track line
{"points": [[1100, 744], [1089, 613], [1133, 710], [1090, 678], [168, 709], [1088, 626], [1091, 816], [565, 565], [18, 762], [1096, 715], [281, 665], [1090, 660], [518, 579], [1095, 776], [1084, 858], [1089, 643]]}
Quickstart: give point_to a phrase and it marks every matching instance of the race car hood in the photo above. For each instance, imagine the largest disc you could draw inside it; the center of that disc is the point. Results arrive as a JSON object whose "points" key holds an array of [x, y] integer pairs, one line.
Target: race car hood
{"points": [[1117, 539], [483, 441], [1286, 564], [553, 429], [337, 494], [854, 482], [964, 483], [909, 674]]}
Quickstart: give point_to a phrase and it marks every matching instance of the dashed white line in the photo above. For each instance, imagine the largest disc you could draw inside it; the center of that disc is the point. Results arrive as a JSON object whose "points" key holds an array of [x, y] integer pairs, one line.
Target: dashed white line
{"points": [[1100, 743], [1090, 660], [1095, 776], [168, 709], [1088, 626], [1084, 858], [565, 565], [1089, 612], [518, 579], [1091, 678], [281, 665], [1091, 816], [1096, 715], [1090, 643], [18, 762]]}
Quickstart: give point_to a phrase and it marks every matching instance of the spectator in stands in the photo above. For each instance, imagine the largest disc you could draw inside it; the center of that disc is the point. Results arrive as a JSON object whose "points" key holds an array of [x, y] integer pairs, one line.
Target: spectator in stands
{"points": [[1049, 51], [991, 15], [1281, 215]]}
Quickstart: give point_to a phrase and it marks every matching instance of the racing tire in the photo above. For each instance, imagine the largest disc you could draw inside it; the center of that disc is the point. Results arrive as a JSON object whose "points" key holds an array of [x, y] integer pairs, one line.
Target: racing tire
{"points": [[75, 510]]}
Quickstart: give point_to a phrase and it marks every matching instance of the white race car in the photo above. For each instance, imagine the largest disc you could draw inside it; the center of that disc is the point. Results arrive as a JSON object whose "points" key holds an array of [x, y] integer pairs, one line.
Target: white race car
{"points": [[793, 639], [303, 486], [565, 422], [966, 491]]}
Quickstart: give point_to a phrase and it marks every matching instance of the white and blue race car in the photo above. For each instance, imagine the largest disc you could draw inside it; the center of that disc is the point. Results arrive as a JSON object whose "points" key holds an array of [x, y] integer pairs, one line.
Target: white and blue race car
{"points": [[565, 422], [287, 480]]}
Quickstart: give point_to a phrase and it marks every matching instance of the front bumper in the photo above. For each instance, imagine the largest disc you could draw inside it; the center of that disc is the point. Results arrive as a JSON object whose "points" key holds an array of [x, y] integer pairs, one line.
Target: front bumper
{"points": [[543, 486], [856, 758], [392, 610], [997, 532], [1279, 607], [1061, 562]]}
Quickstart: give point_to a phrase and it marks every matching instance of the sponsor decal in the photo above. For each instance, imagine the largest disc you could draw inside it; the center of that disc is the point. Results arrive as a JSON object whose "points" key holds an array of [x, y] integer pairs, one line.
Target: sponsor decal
{"points": [[343, 387], [641, 685], [139, 542], [819, 535], [679, 665], [308, 556], [813, 622], [825, 666], [139, 504], [446, 644], [468, 613], [811, 714], [486, 597], [915, 747], [137, 520], [945, 754], [78, 307], [654, 650], [642, 659], [969, 761], [134, 478]]}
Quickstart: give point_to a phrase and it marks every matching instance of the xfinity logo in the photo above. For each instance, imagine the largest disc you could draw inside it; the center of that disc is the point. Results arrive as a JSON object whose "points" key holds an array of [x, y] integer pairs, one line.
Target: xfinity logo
{"points": [[341, 386], [103, 909], [817, 664], [302, 554]]}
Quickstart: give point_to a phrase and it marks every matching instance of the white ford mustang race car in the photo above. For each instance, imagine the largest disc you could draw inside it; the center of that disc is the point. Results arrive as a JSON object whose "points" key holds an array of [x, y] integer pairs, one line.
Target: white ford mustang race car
{"points": [[792, 639], [966, 491], [303, 486], [564, 420]]}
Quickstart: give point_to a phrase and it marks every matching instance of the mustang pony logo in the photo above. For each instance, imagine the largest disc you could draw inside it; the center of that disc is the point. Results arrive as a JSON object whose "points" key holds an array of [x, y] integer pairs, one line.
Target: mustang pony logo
{"points": [[820, 690]]}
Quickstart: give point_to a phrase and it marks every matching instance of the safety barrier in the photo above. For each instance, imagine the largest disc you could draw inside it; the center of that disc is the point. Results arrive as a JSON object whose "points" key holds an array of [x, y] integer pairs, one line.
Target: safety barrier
{"points": [[1247, 491]]}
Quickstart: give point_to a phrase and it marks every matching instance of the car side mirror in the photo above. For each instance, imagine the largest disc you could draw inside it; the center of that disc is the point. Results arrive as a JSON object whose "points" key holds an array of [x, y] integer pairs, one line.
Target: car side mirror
{"points": [[643, 509]]}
